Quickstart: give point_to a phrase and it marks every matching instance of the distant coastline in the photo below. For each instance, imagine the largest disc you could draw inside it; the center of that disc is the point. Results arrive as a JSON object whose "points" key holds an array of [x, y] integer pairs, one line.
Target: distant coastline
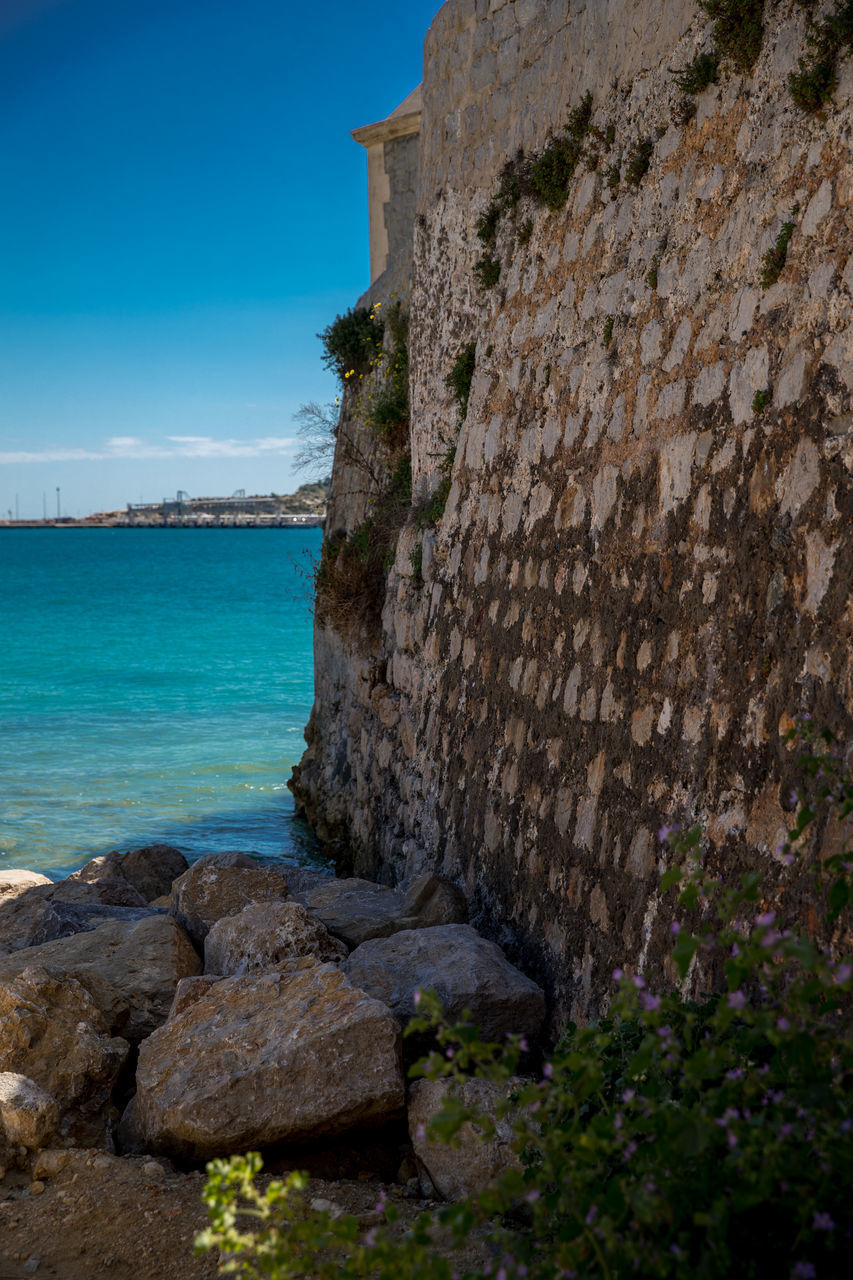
{"points": [[304, 509], [87, 522]]}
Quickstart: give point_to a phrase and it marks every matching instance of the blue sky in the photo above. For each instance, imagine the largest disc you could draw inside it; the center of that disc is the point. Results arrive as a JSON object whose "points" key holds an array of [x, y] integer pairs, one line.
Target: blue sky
{"points": [[183, 209]]}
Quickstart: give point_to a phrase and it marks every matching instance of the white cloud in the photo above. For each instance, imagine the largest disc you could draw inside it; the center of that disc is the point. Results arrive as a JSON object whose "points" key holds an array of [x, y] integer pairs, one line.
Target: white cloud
{"points": [[133, 447]]}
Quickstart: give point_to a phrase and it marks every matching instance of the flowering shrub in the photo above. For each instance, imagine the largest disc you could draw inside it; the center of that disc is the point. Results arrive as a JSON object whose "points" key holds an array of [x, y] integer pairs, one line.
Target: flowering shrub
{"points": [[709, 1136], [352, 342]]}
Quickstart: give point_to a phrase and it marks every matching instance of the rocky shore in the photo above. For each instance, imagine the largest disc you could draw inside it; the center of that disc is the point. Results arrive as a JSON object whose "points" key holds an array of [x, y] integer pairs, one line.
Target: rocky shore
{"points": [[154, 1015]]}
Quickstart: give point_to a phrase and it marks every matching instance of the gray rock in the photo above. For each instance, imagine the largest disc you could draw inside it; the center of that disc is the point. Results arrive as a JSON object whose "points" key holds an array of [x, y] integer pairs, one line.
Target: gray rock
{"points": [[111, 891], [265, 1059], [264, 934], [52, 1032], [151, 870], [432, 900], [130, 968], [466, 971], [209, 892], [63, 919], [30, 916], [471, 1163], [357, 910], [28, 1114], [14, 881]]}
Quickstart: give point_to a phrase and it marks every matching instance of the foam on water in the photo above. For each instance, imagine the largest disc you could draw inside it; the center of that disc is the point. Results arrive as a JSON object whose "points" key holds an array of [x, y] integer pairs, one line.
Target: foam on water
{"points": [[154, 685]]}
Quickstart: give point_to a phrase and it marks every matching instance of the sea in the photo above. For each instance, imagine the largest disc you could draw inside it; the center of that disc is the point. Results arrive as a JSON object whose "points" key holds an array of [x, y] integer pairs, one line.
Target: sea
{"points": [[154, 686]]}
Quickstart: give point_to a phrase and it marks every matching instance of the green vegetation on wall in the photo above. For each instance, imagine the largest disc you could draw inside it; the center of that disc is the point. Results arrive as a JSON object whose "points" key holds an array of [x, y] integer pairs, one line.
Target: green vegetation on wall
{"points": [[350, 575], [352, 342]]}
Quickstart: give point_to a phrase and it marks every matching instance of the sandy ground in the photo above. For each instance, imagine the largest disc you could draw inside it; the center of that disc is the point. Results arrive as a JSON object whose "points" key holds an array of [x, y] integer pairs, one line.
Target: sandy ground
{"points": [[134, 1218]]}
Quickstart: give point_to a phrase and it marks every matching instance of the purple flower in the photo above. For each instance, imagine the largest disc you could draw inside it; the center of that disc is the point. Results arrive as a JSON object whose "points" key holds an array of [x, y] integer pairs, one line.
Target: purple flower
{"points": [[638, 981], [617, 1121], [629, 1151], [381, 1202], [737, 1000], [649, 1002], [675, 928], [628, 1095], [548, 1071], [665, 833], [823, 1222], [417, 996], [736, 1073], [500, 1274], [420, 1133], [765, 919], [783, 1024], [370, 1239], [591, 1215], [844, 973], [803, 1271], [523, 1045], [532, 1196], [618, 975], [448, 1053], [846, 1126]]}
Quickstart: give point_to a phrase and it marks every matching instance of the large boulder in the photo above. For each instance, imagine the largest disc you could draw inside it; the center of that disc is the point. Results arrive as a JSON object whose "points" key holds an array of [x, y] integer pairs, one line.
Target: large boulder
{"points": [[130, 968], [52, 1032], [15, 880], [62, 919], [466, 971], [263, 935], [357, 910], [474, 1159], [150, 870], [268, 1059], [41, 911], [209, 892], [28, 1114], [110, 891]]}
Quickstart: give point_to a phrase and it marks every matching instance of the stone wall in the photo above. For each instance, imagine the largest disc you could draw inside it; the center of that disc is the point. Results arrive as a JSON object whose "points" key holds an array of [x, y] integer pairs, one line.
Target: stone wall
{"points": [[638, 579]]}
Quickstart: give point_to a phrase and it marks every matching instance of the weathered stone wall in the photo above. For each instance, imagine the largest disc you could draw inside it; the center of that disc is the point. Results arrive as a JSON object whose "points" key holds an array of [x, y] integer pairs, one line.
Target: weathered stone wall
{"points": [[637, 579]]}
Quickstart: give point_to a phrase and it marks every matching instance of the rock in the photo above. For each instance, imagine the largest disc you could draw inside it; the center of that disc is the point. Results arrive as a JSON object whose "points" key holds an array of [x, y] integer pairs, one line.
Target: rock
{"points": [[130, 968], [41, 912], [28, 1114], [112, 891], [128, 1142], [49, 1163], [266, 1059], [14, 881], [189, 990], [262, 935], [302, 879], [64, 919], [432, 900], [52, 1032], [150, 870], [353, 909], [208, 892], [356, 910], [20, 916], [153, 869], [470, 1164], [465, 970], [228, 859]]}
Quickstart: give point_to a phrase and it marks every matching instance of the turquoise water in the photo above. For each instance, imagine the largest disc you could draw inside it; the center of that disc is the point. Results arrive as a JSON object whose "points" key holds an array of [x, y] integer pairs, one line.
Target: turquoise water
{"points": [[154, 685]]}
